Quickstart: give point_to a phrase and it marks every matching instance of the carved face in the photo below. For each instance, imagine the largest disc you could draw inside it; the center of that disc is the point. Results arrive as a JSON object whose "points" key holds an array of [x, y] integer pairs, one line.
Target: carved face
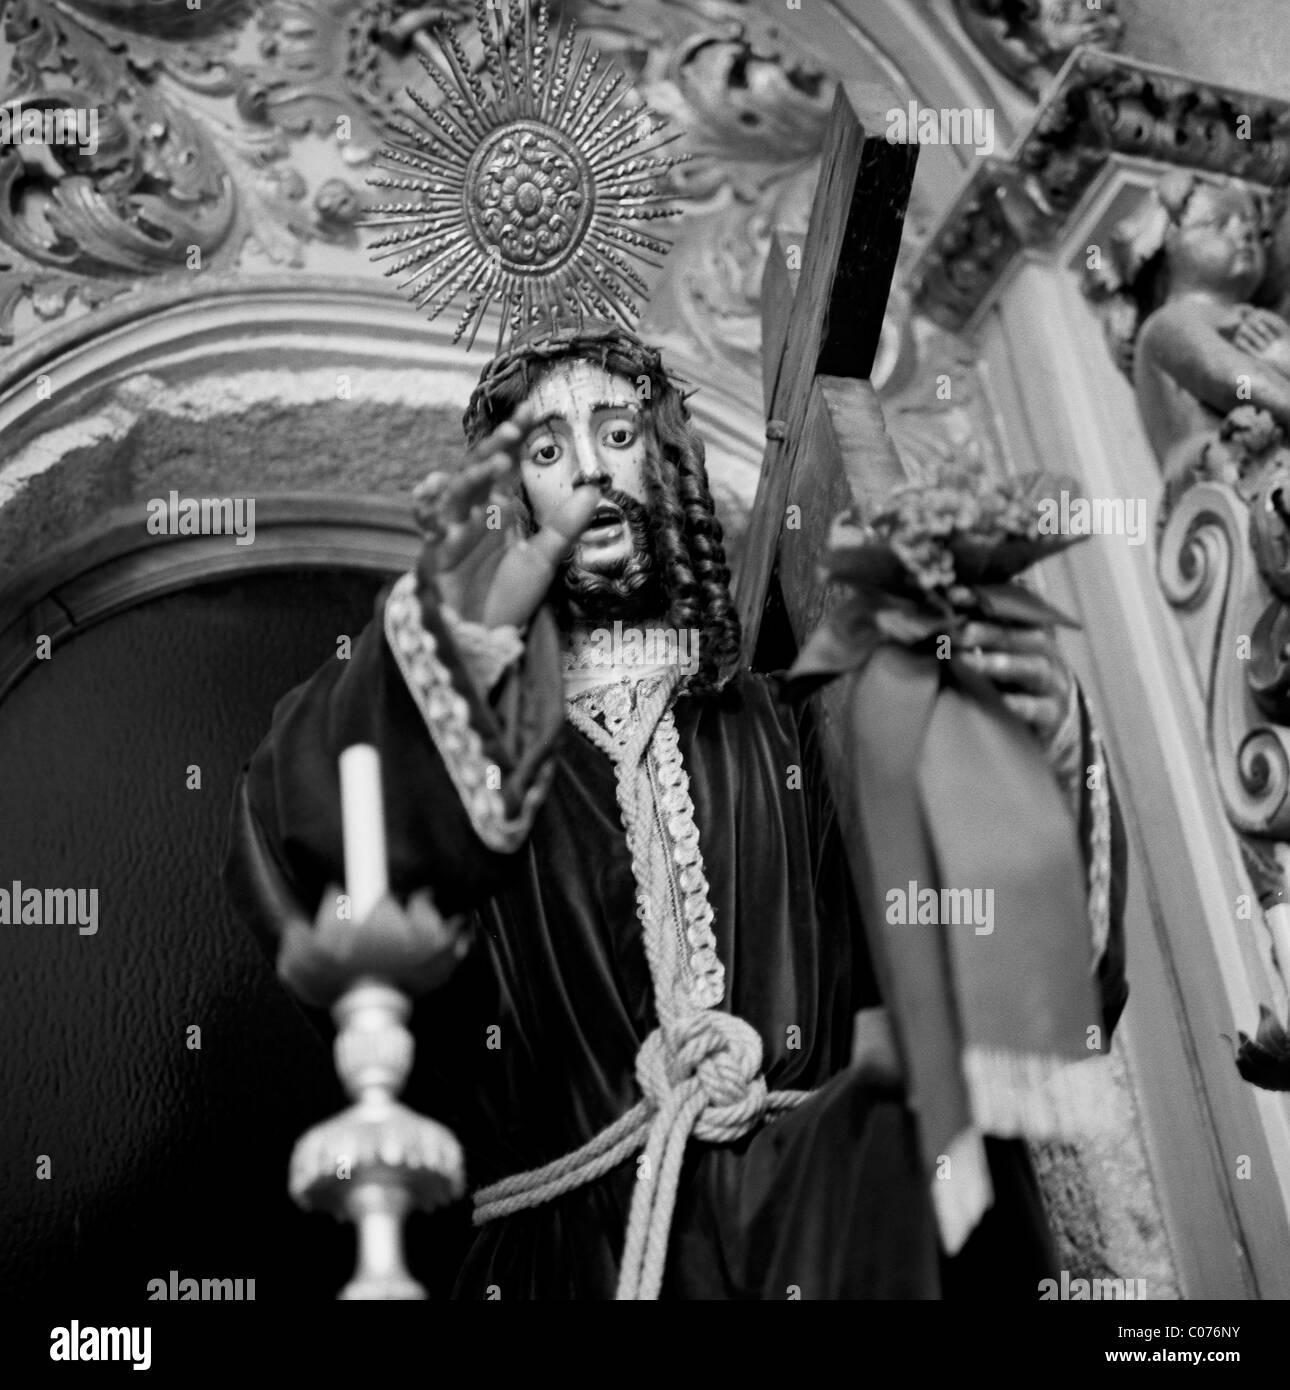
{"points": [[592, 427], [1216, 245]]}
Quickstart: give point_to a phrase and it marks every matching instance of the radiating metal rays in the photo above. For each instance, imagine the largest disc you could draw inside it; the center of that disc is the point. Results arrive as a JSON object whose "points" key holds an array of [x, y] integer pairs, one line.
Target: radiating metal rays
{"points": [[529, 182]]}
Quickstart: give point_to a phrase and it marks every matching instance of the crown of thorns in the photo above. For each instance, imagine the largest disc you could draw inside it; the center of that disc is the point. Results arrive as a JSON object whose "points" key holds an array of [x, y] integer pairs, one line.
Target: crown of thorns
{"points": [[589, 339]]}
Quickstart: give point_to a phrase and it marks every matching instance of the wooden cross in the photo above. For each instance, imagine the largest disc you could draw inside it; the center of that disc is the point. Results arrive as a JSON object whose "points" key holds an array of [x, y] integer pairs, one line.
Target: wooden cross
{"points": [[826, 443]]}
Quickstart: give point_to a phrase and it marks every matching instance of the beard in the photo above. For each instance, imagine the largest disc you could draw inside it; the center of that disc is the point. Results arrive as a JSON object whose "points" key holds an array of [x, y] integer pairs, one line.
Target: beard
{"points": [[628, 589]]}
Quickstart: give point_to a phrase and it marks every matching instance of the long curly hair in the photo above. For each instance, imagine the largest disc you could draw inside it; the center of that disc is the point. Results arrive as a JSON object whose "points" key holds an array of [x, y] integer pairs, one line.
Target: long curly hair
{"points": [[688, 539]]}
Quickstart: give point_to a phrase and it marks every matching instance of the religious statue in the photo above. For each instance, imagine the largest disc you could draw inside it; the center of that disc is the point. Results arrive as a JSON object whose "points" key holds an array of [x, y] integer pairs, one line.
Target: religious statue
{"points": [[1184, 311], [1184, 322], [1183, 304], [665, 1054]]}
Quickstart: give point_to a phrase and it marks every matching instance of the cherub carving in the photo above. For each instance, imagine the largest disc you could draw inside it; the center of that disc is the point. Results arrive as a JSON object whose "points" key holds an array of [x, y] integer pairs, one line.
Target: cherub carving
{"points": [[1184, 310]]}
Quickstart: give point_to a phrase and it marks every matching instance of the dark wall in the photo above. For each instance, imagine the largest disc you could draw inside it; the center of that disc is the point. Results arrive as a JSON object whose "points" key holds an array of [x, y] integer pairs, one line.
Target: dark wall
{"points": [[162, 1157]]}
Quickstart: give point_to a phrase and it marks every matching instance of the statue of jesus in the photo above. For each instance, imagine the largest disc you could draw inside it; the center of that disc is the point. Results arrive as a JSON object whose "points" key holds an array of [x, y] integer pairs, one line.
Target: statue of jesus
{"points": [[665, 931]]}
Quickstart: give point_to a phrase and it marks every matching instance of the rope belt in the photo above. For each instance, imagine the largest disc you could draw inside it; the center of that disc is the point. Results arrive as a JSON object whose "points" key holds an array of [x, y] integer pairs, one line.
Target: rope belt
{"points": [[700, 1070], [703, 1079]]}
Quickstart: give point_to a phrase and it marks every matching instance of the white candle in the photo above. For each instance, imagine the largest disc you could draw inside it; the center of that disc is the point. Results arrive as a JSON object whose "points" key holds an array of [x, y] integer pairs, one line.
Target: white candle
{"points": [[363, 827]]}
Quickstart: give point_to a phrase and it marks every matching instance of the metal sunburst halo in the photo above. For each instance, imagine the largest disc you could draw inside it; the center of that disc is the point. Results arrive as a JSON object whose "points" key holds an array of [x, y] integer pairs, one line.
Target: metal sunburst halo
{"points": [[525, 186]]}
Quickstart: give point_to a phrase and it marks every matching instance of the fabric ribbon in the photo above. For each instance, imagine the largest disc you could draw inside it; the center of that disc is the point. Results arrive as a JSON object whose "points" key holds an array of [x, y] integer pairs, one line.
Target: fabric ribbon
{"points": [[953, 792]]}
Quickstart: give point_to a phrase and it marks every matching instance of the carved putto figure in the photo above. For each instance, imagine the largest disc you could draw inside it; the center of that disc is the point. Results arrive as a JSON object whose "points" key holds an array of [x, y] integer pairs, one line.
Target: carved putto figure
{"points": [[1184, 321], [1186, 315]]}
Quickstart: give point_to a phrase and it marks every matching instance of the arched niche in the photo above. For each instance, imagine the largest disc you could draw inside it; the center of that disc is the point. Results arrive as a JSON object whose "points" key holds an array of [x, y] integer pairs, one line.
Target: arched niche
{"points": [[168, 653], [262, 386], [156, 1074], [117, 565]]}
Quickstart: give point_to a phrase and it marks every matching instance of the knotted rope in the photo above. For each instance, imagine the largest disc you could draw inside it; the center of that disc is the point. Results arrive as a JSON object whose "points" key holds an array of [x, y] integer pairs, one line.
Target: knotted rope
{"points": [[699, 1070], [703, 1081]]}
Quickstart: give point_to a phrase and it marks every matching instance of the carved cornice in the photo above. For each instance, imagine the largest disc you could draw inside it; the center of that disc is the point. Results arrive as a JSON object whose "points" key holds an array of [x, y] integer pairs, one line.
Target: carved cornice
{"points": [[184, 330], [1029, 40], [1101, 105], [192, 357]]}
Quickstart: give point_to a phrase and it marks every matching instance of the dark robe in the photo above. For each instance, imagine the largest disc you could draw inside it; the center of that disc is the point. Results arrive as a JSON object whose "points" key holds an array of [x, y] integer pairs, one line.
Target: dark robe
{"points": [[826, 1201]]}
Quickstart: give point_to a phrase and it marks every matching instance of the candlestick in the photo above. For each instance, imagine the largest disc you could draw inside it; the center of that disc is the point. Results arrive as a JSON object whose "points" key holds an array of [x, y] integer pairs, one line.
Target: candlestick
{"points": [[363, 828], [377, 1161]]}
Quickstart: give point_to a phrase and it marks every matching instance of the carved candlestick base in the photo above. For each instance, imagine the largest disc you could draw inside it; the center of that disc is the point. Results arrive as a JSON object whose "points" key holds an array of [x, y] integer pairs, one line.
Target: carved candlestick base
{"points": [[377, 1161]]}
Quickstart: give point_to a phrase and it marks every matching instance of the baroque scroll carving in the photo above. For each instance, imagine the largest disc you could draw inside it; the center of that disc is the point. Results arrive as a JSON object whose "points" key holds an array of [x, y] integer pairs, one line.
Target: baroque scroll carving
{"points": [[1181, 302], [1209, 574], [243, 132]]}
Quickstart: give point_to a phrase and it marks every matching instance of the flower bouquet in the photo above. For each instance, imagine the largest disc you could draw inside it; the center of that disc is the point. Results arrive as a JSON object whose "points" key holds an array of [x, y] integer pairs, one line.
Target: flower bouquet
{"points": [[937, 554], [946, 790]]}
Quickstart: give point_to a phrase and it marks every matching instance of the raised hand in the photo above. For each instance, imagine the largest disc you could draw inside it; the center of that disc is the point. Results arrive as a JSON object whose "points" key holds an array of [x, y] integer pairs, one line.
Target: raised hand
{"points": [[482, 568]]}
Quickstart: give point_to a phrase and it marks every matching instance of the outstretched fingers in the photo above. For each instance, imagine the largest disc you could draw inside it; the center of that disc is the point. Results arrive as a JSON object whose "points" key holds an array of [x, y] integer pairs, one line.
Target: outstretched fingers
{"points": [[452, 507]]}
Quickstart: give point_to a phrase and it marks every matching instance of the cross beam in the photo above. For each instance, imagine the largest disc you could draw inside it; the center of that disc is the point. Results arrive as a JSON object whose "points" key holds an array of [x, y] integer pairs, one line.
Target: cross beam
{"points": [[826, 444]]}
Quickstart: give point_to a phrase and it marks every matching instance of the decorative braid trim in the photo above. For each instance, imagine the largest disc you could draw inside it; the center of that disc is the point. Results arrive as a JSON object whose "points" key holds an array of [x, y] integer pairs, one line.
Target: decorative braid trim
{"points": [[1066, 758], [639, 736], [700, 1069], [1099, 869], [447, 719]]}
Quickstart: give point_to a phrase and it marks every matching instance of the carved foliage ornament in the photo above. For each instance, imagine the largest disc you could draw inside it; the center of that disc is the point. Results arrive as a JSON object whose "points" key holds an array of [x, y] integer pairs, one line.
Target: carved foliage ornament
{"points": [[167, 185], [208, 106], [1208, 571]]}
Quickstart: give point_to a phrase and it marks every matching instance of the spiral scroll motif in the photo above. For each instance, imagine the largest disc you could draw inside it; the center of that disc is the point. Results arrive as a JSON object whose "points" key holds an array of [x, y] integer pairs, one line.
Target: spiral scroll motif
{"points": [[1209, 575]]}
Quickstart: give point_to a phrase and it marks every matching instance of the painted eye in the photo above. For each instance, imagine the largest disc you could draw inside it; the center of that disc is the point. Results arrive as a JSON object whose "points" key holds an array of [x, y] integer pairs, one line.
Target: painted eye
{"points": [[545, 454], [620, 436]]}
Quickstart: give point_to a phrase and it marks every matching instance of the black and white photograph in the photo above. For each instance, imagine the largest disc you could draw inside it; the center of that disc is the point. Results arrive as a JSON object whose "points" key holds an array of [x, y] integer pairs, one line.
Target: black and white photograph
{"points": [[644, 655]]}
